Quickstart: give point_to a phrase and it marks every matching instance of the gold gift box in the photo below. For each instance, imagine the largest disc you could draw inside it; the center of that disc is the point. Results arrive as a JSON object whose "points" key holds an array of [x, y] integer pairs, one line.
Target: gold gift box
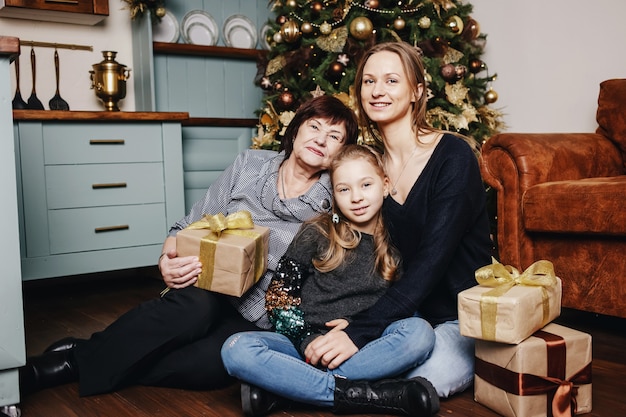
{"points": [[232, 260], [541, 376], [513, 314]]}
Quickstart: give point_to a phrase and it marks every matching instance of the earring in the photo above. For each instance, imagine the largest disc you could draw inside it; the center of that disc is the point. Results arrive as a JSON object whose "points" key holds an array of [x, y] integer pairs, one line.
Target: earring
{"points": [[335, 218]]}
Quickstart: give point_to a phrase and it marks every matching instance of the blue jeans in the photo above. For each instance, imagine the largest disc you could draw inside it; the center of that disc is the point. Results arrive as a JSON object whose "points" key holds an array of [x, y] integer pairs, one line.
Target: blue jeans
{"points": [[452, 351], [269, 360]]}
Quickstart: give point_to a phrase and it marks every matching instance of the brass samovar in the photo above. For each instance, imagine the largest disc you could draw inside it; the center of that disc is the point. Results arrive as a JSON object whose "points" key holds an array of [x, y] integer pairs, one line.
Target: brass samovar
{"points": [[108, 78]]}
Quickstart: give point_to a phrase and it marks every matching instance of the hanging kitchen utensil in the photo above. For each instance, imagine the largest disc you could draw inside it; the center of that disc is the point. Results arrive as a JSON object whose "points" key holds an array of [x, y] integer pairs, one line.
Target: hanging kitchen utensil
{"points": [[33, 101], [18, 101], [56, 102]]}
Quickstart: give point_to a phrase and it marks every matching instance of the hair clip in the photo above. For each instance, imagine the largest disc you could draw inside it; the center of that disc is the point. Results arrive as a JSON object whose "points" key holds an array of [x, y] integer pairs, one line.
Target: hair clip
{"points": [[335, 218]]}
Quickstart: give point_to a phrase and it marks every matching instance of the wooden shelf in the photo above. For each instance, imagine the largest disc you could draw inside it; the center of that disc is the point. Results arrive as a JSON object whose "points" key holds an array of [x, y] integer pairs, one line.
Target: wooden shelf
{"points": [[203, 50], [219, 122], [99, 116]]}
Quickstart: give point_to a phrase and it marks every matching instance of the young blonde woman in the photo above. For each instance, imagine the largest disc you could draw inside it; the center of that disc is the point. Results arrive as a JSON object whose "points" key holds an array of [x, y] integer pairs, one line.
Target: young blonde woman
{"points": [[436, 215], [336, 266]]}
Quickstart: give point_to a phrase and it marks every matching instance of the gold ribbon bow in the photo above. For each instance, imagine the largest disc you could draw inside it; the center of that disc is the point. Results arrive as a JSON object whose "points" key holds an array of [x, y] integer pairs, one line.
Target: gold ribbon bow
{"points": [[503, 278], [217, 223]]}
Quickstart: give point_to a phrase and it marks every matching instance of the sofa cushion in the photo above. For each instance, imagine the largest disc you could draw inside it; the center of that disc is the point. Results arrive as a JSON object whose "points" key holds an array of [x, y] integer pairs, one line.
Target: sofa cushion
{"points": [[587, 206], [611, 114]]}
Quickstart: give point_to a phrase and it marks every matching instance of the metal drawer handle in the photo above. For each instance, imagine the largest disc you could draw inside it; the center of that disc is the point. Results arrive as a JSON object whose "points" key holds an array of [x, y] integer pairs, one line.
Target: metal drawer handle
{"points": [[111, 228], [109, 185], [63, 1], [107, 141]]}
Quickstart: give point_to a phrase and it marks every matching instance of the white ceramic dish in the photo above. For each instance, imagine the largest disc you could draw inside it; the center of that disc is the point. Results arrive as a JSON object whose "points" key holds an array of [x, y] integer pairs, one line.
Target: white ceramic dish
{"points": [[239, 32], [166, 30], [263, 41], [199, 28]]}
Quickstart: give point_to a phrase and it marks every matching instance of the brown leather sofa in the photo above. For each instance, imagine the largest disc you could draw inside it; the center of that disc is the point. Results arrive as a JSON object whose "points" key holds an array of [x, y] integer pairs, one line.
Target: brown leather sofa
{"points": [[562, 197]]}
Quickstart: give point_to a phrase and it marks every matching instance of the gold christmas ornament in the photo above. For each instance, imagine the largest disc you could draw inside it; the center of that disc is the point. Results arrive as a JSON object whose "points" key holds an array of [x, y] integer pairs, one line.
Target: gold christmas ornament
{"points": [[325, 28], [372, 4], [455, 24], [491, 96], [361, 28], [335, 41], [424, 22], [399, 23], [306, 28], [292, 4], [290, 31]]}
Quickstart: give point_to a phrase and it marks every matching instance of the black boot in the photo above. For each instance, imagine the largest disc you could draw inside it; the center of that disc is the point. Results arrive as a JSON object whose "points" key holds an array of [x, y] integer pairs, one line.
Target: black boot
{"points": [[48, 370], [66, 343], [408, 397], [257, 402]]}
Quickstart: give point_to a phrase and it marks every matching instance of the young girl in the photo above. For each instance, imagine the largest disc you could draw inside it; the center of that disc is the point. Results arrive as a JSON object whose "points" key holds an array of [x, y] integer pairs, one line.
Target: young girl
{"points": [[336, 266]]}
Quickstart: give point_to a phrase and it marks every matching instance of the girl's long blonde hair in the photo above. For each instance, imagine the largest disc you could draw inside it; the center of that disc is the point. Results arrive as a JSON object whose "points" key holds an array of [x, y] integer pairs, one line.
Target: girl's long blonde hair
{"points": [[342, 237]]}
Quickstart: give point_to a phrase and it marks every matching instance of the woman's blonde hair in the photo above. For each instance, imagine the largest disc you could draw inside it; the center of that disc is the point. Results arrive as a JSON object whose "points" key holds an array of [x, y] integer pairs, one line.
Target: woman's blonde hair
{"points": [[342, 237]]}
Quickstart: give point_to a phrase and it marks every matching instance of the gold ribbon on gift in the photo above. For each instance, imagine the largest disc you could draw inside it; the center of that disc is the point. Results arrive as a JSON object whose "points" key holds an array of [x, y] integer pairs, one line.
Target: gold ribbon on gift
{"points": [[217, 223], [232, 224], [503, 278]]}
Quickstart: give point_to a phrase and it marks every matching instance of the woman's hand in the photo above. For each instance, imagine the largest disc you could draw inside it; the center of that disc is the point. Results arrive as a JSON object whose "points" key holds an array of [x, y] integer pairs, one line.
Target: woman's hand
{"points": [[178, 272], [332, 349]]}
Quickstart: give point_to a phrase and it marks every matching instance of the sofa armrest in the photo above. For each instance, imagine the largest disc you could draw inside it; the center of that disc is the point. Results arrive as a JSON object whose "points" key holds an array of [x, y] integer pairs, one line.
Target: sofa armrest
{"points": [[513, 162], [543, 157]]}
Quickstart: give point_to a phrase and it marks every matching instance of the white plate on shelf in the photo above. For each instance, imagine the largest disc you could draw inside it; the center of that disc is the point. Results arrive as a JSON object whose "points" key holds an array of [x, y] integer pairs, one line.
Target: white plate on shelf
{"points": [[199, 28], [263, 34], [166, 30], [239, 32]]}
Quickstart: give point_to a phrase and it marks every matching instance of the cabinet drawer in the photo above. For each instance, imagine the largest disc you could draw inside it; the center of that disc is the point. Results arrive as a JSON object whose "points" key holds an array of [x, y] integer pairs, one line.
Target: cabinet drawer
{"points": [[79, 230], [101, 143], [69, 186]]}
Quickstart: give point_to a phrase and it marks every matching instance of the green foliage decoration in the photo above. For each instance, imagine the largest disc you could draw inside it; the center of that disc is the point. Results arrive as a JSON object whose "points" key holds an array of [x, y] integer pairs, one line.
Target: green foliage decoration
{"points": [[315, 46]]}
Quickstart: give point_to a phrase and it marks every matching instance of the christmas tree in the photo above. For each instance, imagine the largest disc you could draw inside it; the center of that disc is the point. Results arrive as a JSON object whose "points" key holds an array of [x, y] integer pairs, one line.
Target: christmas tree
{"points": [[315, 46]]}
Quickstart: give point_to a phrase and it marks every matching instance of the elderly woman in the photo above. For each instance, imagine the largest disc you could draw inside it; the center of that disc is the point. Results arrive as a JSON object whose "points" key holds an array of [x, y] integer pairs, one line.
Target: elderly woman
{"points": [[175, 340]]}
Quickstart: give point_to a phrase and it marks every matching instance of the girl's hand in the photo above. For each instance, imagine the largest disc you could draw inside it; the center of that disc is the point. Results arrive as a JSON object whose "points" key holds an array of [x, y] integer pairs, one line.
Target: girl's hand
{"points": [[179, 272], [332, 349]]}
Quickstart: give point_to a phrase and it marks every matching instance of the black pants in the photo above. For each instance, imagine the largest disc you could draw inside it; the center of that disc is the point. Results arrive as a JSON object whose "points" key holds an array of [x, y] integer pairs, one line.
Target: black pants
{"points": [[173, 341]]}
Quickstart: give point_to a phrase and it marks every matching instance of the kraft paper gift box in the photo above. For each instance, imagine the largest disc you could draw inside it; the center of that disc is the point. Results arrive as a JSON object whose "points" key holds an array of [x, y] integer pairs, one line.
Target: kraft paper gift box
{"points": [[548, 374], [507, 306], [232, 249]]}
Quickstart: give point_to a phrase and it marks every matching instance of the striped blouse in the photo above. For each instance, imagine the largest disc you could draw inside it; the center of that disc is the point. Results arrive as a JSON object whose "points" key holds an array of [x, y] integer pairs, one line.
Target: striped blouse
{"points": [[250, 183]]}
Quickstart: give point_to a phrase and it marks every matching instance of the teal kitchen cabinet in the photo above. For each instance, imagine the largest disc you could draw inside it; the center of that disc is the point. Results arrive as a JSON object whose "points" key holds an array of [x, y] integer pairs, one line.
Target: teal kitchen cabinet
{"points": [[98, 191], [12, 346], [213, 83]]}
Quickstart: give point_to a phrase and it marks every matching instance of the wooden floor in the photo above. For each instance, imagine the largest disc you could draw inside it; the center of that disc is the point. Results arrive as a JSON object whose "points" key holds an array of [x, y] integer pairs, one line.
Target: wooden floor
{"points": [[59, 308]]}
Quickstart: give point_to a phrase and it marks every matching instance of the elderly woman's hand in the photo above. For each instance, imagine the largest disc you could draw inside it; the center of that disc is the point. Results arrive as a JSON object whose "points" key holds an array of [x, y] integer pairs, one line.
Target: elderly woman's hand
{"points": [[178, 272]]}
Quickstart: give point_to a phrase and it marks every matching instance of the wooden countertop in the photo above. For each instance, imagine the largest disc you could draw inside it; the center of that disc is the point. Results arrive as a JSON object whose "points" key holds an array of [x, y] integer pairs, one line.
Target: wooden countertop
{"points": [[98, 116]]}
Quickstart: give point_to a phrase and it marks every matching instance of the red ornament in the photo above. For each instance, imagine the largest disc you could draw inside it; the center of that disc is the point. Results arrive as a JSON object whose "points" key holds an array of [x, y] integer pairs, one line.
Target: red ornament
{"points": [[316, 7], [471, 30], [286, 100], [448, 72], [335, 71], [476, 66]]}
